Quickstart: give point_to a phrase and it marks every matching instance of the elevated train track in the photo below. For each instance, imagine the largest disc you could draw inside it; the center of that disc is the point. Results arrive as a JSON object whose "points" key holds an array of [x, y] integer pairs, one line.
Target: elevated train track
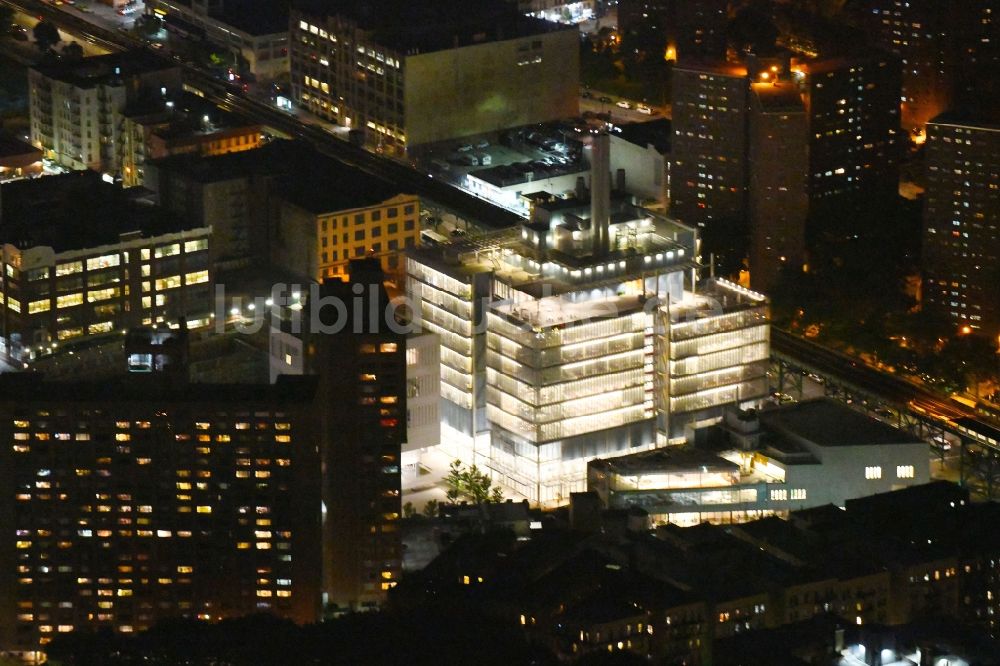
{"points": [[910, 405]]}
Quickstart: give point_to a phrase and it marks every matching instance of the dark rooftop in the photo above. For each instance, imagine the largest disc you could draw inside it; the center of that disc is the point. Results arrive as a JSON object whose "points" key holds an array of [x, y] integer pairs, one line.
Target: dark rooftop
{"points": [[99, 70], [307, 179], [416, 26], [25, 387], [826, 422], [75, 211], [677, 458], [655, 132], [968, 118], [256, 17], [12, 147], [779, 97]]}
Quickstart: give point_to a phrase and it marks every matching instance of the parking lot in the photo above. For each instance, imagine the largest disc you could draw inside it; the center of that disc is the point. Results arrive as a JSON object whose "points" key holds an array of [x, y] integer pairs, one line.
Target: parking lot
{"points": [[596, 102]]}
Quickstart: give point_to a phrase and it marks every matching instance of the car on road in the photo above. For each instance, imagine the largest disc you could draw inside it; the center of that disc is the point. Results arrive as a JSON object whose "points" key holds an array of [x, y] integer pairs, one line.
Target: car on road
{"points": [[605, 100], [623, 104], [643, 109], [586, 94]]}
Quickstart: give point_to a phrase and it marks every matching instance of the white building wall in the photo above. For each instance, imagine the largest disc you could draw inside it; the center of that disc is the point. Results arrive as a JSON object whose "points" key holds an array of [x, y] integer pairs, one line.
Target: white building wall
{"points": [[423, 392], [645, 169]]}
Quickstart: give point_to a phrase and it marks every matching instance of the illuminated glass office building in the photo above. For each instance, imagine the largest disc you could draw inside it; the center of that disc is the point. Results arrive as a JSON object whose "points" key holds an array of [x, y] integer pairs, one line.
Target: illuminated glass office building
{"points": [[587, 332]]}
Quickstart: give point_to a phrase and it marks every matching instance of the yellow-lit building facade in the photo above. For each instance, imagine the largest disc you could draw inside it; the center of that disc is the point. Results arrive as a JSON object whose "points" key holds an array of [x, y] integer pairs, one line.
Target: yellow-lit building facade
{"points": [[146, 138], [320, 244], [48, 298]]}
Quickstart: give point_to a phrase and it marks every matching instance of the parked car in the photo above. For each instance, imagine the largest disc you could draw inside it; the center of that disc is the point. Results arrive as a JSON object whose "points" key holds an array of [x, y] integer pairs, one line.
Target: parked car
{"points": [[605, 100], [642, 108], [465, 148], [623, 104], [586, 94], [484, 158], [482, 143]]}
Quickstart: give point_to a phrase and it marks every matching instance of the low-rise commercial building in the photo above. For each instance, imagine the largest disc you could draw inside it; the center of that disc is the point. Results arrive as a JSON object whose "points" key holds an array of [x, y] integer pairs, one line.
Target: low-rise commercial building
{"points": [[288, 205], [255, 32], [786, 458], [378, 68], [327, 220], [186, 126], [80, 259]]}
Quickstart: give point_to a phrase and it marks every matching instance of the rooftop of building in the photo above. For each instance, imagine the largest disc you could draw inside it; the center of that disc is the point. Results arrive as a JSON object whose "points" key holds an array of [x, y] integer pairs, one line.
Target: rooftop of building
{"points": [[306, 178], [32, 388], [256, 17], [663, 460], [711, 297], [75, 211], [719, 67], [14, 149], [104, 69], [185, 117], [779, 96], [861, 56], [657, 133], [664, 242], [829, 423], [968, 118], [506, 175], [422, 26]]}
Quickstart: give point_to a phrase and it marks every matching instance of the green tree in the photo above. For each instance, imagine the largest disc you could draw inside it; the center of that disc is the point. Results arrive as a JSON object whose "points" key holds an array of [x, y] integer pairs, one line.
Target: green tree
{"points": [[455, 481], [408, 510], [471, 483], [46, 35], [974, 358], [477, 485], [431, 508]]}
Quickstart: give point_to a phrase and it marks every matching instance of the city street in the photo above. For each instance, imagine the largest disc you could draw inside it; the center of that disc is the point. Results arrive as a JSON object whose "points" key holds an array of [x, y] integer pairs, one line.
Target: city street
{"points": [[590, 101]]}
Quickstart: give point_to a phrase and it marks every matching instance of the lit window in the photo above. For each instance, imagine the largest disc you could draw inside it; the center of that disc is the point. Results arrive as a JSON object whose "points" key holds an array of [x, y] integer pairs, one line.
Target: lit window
{"points": [[170, 282], [69, 268], [167, 250], [196, 245], [38, 306], [196, 278], [69, 300], [873, 472], [904, 471], [101, 294], [105, 261], [388, 347]]}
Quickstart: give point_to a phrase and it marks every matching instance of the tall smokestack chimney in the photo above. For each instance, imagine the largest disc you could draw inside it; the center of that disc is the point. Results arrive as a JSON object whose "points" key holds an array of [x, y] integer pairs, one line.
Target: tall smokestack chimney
{"points": [[600, 192]]}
